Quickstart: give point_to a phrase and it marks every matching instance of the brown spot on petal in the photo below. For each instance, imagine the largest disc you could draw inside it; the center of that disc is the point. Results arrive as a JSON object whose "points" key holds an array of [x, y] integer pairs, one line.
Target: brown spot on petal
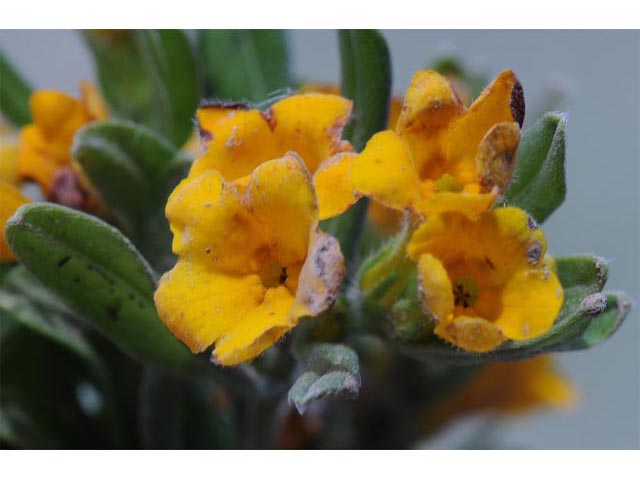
{"points": [[321, 274], [517, 103]]}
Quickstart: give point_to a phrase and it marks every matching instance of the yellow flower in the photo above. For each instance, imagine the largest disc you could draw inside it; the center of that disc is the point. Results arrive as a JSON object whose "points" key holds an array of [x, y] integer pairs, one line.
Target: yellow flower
{"points": [[8, 155], [251, 260], [10, 196], [44, 152], [237, 139], [10, 199], [441, 156], [507, 388], [487, 280]]}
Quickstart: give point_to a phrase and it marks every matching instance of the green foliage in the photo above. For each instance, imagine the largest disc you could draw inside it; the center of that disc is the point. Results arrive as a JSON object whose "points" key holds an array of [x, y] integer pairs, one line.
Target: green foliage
{"points": [[96, 271], [14, 94], [25, 302], [50, 399], [149, 76], [134, 171], [242, 65], [330, 369], [538, 184], [183, 412], [86, 361]]}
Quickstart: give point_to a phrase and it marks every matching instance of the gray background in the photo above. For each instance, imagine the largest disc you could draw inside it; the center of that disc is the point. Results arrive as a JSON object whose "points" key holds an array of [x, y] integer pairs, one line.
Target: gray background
{"points": [[601, 214]]}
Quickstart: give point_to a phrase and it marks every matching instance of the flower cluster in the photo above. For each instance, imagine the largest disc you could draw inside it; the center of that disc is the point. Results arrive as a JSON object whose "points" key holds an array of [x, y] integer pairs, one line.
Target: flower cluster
{"points": [[482, 272], [252, 260]]}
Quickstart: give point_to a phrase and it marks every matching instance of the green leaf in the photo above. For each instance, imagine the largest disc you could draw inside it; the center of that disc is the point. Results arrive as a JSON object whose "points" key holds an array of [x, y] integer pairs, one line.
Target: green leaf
{"points": [[607, 312], [14, 94], [384, 274], [330, 369], [587, 318], [244, 64], [149, 76], [366, 79], [49, 399], [20, 310], [25, 302], [134, 170], [183, 412], [538, 184], [95, 270]]}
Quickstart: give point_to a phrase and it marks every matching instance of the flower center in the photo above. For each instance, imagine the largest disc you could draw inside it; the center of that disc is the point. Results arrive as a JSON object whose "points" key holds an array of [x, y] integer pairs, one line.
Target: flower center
{"points": [[465, 292], [448, 183], [273, 274]]}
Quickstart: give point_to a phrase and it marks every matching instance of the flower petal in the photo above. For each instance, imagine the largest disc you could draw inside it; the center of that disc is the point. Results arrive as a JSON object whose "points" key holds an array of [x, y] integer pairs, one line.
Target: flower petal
{"points": [[511, 238], [259, 329], [281, 196], [443, 236], [310, 125], [333, 187], [435, 288], [38, 160], [429, 104], [531, 301], [236, 140], [385, 171], [321, 275], [9, 170], [496, 156], [501, 101], [210, 225], [471, 333], [506, 237], [200, 305], [57, 115], [94, 105], [10, 200], [470, 204]]}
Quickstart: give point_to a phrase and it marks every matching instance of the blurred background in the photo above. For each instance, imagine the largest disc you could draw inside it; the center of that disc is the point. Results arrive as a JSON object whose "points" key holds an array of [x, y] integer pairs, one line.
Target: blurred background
{"points": [[599, 71]]}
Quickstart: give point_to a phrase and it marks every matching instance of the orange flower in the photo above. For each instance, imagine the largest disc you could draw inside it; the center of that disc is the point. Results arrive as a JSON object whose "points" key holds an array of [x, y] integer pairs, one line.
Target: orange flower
{"points": [[486, 281], [442, 157], [45, 145], [507, 388], [251, 260]]}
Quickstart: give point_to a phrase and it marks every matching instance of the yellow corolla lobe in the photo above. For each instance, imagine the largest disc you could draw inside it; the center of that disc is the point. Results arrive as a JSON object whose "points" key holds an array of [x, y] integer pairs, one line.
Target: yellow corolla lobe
{"points": [[441, 156]]}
